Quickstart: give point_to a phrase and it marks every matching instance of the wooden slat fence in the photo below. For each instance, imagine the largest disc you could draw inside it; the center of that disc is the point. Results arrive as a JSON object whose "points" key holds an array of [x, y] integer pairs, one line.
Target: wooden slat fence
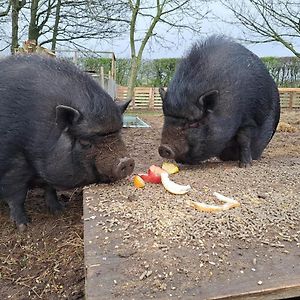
{"points": [[144, 97], [289, 97], [149, 98]]}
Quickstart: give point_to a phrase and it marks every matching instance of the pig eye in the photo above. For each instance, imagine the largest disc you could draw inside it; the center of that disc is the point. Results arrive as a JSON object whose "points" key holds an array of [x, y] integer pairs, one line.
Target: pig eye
{"points": [[85, 144], [192, 125]]}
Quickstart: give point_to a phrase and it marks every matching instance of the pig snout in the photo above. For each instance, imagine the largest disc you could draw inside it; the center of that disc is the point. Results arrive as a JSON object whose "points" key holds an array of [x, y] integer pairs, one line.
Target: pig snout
{"points": [[124, 168], [166, 151]]}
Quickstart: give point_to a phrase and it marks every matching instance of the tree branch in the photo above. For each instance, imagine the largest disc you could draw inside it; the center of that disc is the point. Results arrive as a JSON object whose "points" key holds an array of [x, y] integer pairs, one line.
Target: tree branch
{"points": [[5, 13]]}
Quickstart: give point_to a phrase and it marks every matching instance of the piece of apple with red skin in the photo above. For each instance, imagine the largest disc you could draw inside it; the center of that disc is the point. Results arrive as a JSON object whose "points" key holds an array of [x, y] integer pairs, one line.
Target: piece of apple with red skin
{"points": [[153, 175]]}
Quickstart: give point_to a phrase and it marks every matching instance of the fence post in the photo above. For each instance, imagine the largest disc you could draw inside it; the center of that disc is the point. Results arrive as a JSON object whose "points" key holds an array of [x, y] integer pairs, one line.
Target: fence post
{"points": [[292, 96], [75, 57], [102, 76], [133, 97], [151, 97]]}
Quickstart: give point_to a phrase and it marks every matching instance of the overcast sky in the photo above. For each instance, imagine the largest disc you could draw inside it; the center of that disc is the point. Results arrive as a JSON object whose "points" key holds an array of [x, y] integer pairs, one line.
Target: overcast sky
{"points": [[180, 46], [122, 50], [177, 47]]}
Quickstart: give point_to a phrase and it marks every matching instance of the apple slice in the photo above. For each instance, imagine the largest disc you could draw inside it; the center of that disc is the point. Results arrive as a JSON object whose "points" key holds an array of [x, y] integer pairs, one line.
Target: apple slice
{"points": [[156, 170], [173, 187], [151, 177]]}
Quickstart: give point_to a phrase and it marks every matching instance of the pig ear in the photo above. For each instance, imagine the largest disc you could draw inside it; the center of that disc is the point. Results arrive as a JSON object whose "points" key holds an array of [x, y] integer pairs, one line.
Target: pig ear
{"points": [[208, 100], [123, 105], [162, 93], [66, 116]]}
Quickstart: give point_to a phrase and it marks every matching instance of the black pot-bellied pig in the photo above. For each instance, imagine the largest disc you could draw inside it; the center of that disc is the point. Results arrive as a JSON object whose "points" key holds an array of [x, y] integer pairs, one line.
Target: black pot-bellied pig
{"points": [[59, 128], [221, 102]]}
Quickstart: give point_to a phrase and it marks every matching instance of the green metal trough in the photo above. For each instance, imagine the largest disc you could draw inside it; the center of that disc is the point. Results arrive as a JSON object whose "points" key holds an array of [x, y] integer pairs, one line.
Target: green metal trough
{"points": [[134, 122]]}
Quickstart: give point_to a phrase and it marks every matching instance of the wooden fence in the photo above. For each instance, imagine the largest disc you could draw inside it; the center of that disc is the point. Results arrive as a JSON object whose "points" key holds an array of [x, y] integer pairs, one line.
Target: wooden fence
{"points": [[144, 97], [289, 97], [149, 98]]}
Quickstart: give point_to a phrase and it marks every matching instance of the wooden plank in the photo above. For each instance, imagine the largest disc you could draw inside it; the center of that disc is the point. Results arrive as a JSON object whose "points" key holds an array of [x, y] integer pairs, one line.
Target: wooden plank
{"points": [[284, 101], [296, 100], [291, 100], [287, 90], [276, 292], [105, 267]]}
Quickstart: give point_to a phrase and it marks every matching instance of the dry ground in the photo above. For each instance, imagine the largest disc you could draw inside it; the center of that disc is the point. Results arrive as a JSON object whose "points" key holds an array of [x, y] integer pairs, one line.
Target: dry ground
{"points": [[167, 247]]}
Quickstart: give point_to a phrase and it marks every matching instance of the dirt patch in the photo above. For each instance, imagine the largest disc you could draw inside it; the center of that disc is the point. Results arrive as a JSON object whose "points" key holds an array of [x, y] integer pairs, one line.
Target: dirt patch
{"points": [[165, 247], [46, 262]]}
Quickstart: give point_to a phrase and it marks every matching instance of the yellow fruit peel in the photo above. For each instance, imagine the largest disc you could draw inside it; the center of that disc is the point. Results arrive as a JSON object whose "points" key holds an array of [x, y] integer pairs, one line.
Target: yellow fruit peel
{"points": [[170, 168]]}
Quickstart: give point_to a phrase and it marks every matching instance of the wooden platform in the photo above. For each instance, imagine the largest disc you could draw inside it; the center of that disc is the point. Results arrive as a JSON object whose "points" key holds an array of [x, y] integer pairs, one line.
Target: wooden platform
{"points": [[105, 264]]}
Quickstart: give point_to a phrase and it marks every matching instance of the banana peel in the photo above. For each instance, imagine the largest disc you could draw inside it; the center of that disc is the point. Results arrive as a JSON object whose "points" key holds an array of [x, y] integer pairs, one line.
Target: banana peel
{"points": [[228, 204], [173, 187]]}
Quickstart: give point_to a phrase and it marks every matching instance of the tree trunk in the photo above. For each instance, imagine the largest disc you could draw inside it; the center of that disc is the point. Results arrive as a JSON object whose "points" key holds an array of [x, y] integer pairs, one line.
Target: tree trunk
{"points": [[16, 6], [133, 76], [33, 31], [136, 59], [133, 63], [56, 24]]}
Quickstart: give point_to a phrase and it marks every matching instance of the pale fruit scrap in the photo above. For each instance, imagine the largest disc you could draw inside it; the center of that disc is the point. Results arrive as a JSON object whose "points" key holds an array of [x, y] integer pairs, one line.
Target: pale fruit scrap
{"points": [[170, 168], [201, 206], [173, 187], [138, 181], [228, 201], [205, 207]]}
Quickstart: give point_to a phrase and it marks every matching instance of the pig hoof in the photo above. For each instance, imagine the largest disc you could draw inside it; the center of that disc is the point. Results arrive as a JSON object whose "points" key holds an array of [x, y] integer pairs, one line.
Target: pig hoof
{"points": [[20, 220], [245, 165], [22, 227], [57, 208]]}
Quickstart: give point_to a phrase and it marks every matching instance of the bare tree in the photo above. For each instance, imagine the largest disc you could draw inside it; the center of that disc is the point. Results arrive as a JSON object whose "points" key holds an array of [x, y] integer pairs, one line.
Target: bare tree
{"points": [[16, 6], [79, 21], [172, 15], [41, 12], [56, 25], [59, 21], [5, 8], [267, 21], [13, 8]]}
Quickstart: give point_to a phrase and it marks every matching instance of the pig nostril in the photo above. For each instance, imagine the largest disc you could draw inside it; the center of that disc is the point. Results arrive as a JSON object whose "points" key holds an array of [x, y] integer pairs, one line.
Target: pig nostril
{"points": [[123, 168], [166, 152]]}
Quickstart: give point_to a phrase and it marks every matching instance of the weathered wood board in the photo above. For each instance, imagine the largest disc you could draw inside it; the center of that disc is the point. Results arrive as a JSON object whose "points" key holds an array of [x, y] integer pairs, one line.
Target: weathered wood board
{"points": [[105, 263]]}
